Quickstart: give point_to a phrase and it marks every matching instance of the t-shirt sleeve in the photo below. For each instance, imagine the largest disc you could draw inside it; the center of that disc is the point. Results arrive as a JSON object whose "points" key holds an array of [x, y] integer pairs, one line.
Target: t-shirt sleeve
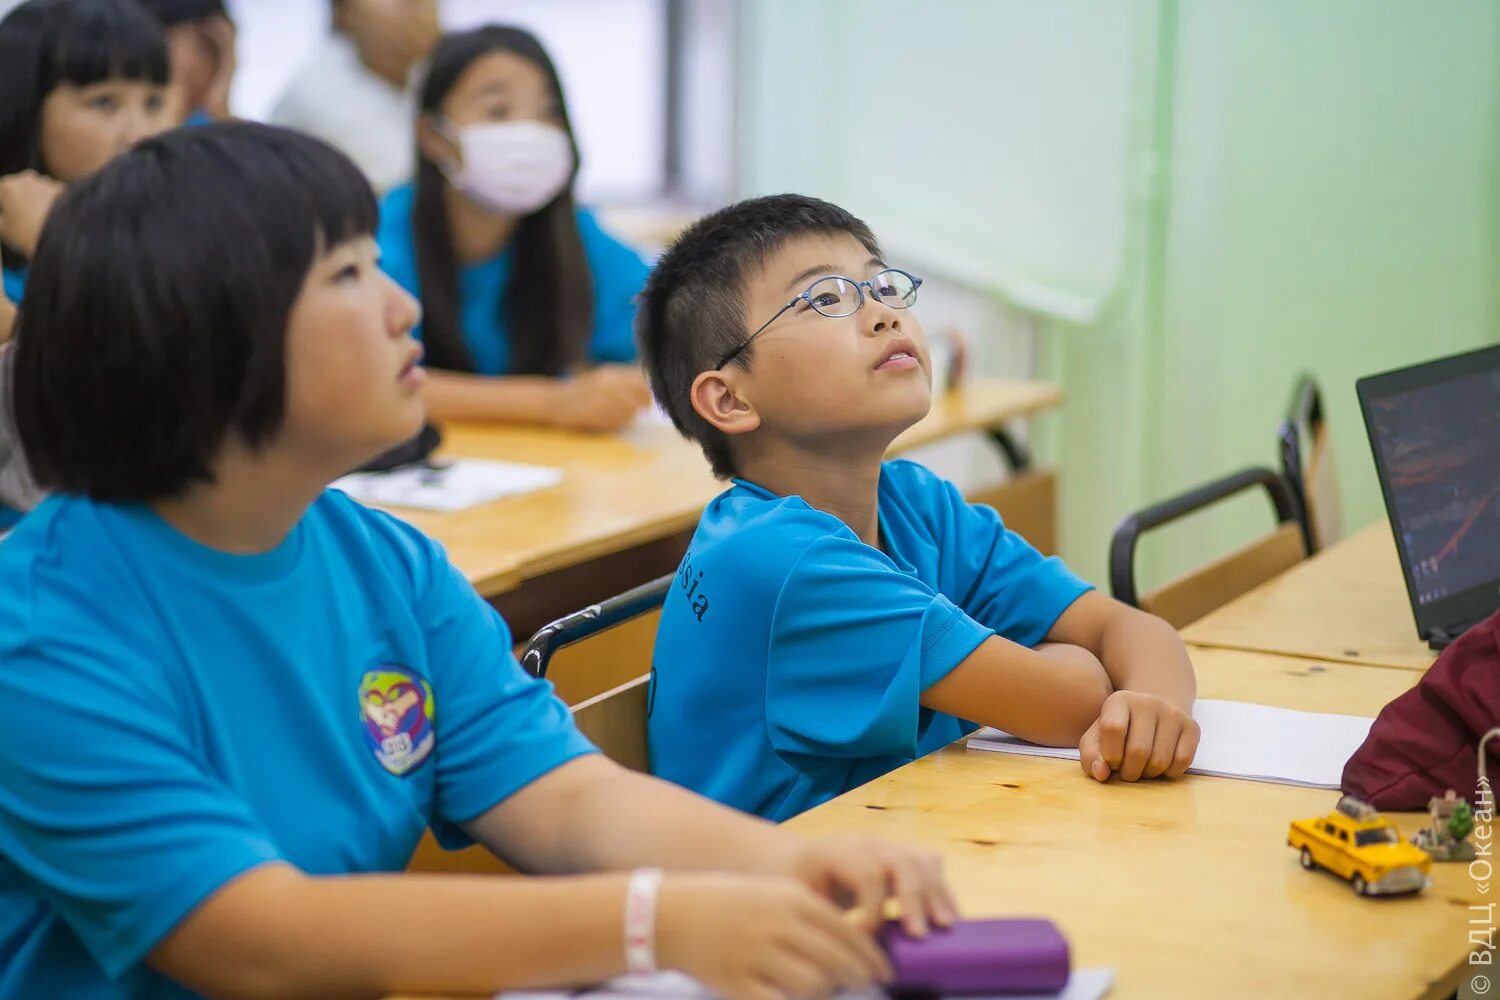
{"points": [[499, 729], [1004, 581], [106, 812], [853, 644], [619, 274]]}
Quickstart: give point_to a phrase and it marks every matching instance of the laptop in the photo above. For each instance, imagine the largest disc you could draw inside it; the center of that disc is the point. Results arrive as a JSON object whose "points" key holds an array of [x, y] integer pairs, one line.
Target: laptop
{"points": [[1435, 432]]}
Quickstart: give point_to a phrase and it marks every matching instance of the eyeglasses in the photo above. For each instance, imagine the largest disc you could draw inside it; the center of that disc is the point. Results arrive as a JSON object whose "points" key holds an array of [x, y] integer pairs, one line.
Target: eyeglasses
{"points": [[836, 296]]}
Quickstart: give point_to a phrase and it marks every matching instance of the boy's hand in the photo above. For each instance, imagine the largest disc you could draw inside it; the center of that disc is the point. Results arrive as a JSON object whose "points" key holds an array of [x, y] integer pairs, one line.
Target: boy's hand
{"points": [[219, 35], [749, 937], [1138, 736], [863, 872]]}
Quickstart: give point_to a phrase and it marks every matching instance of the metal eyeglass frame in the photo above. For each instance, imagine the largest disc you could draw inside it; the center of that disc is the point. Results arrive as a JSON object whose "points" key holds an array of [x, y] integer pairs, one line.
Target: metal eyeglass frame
{"points": [[806, 296]]}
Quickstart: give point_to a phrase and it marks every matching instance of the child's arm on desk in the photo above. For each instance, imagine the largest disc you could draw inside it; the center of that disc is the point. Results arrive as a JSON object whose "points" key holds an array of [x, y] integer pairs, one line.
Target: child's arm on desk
{"points": [[762, 926], [1146, 728], [1048, 695]]}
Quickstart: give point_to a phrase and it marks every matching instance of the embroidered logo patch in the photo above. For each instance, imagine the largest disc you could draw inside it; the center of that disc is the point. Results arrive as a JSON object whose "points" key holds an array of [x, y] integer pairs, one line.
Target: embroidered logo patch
{"points": [[397, 708]]}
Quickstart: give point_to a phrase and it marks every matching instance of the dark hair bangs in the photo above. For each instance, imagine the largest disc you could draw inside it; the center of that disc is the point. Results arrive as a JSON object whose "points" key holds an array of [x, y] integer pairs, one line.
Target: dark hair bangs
{"points": [[106, 41]]}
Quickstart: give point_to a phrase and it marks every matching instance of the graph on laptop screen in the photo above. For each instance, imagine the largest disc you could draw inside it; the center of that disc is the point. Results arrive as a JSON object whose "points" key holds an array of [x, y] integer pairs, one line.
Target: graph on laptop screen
{"points": [[1441, 448]]}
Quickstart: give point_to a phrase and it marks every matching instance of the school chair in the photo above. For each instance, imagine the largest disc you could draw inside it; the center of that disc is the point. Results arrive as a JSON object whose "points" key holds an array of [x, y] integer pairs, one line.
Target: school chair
{"points": [[621, 632], [614, 720], [1194, 595], [1027, 499], [1307, 465]]}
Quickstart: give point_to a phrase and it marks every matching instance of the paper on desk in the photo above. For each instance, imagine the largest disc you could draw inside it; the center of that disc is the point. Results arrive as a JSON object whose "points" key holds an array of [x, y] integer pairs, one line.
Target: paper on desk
{"points": [[454, 485], [1085, 984], [1241, 740]]}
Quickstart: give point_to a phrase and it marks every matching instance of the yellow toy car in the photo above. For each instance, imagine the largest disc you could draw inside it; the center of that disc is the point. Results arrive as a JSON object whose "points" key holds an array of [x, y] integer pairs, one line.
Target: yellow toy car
{"points": [[1358, 844]]}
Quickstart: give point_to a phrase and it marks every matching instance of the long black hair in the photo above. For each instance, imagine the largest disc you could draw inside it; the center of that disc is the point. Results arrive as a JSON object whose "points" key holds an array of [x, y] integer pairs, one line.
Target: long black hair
{"points": [[46, 43], [549, 301]]}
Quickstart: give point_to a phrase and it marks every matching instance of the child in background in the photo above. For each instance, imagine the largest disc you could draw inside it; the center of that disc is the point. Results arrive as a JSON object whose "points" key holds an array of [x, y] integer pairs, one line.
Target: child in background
{"points": [[241, 697], [838, 615], [80, 82], [200, 50], [356, 90], [527, 303]]}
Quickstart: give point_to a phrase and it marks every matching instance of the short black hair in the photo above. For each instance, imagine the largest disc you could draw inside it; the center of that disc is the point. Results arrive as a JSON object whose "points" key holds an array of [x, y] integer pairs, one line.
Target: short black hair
{"points": [[692, 309], [154, 322], [174, 12], [46, 43]]}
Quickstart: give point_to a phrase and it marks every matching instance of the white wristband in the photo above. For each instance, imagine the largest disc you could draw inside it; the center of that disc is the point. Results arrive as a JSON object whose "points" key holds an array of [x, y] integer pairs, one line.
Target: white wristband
{"points": [[640, 920]]}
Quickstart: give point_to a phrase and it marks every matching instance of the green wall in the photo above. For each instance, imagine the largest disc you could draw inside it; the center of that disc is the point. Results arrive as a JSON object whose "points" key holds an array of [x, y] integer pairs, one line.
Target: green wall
{"points": [[1213, 196]]}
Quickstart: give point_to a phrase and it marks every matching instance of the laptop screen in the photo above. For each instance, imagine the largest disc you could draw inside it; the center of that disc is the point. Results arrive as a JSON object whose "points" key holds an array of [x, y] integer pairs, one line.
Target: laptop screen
{"points": [[1438, 449]]}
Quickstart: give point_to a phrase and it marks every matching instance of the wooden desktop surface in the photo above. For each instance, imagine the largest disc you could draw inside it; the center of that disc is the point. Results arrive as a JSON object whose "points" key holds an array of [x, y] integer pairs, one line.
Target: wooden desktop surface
{"points": [[1347, 603], [1187, 889], [626, 489]]}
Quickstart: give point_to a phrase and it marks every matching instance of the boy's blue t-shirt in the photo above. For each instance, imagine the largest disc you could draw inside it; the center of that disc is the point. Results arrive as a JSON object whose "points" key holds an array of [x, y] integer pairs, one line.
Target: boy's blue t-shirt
{"points": [[179, 715], [791, 657], [617, 270]]}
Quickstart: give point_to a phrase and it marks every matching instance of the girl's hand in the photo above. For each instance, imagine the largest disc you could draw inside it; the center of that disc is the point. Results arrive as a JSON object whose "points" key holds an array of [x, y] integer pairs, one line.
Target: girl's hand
{"points": [[25, 202], [862, 873], [755, 938], [601, 399]]}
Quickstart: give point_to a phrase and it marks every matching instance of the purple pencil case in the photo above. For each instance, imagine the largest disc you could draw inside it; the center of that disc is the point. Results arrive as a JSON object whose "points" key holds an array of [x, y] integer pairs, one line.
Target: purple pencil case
{"points": [[979, 957]]}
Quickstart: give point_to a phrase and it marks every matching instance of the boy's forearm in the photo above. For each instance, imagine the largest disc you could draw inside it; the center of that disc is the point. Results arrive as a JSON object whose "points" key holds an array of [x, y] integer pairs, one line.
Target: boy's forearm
{"points": [[1140, 652], [275, 932], [1049, 695]]}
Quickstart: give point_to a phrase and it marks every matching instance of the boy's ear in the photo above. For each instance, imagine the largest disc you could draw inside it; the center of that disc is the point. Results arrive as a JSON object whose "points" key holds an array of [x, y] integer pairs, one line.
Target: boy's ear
{"points": [[715, 400]]}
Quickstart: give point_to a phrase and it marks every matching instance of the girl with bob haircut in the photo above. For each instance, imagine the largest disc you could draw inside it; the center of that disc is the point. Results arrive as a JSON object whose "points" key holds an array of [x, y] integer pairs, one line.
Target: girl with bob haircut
{"points": [[243, 696], [80, 82]]}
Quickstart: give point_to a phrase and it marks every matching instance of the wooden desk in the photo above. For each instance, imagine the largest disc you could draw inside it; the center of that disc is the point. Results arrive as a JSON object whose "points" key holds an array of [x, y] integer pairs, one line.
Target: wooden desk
{"points": [[1187, 889], [641, 486], [1347, 603]]}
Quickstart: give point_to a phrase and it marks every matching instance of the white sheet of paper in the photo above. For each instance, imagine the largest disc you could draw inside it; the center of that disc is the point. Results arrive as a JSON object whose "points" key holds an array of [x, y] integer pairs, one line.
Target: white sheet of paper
{"points": [[1242, 740], [1084, 984], [455, 485]]}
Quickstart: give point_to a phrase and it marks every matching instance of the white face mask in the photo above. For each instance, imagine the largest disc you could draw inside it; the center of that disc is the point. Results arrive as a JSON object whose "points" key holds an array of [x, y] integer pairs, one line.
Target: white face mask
{"points": [[512, 167]]}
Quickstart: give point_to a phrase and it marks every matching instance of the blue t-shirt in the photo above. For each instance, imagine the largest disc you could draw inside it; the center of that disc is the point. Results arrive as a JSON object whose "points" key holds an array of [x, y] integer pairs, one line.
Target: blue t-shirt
{"points": [[15, 287], [15, 283], [791, 657], [617, 270], [178, 715]]}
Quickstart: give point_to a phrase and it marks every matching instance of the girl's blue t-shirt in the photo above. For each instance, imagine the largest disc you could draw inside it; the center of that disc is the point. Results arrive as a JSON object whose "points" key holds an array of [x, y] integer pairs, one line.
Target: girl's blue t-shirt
{"points": [[618, 274], [14, 282], [180, 715]]}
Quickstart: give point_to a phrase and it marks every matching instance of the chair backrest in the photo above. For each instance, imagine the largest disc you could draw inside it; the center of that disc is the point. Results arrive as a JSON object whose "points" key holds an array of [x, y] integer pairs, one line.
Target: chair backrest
{"points": [[1194, 595], [1307, 465], [591, 620], [615, 722]]}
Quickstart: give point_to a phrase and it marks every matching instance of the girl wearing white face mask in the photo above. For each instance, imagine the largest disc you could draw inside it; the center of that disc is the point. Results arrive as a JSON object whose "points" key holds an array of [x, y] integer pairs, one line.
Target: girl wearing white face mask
{"points": [[528, 305]]}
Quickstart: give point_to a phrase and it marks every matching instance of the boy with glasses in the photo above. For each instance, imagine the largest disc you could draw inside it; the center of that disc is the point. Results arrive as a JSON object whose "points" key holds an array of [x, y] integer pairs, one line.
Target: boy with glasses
{"points": [[838, 615]]}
